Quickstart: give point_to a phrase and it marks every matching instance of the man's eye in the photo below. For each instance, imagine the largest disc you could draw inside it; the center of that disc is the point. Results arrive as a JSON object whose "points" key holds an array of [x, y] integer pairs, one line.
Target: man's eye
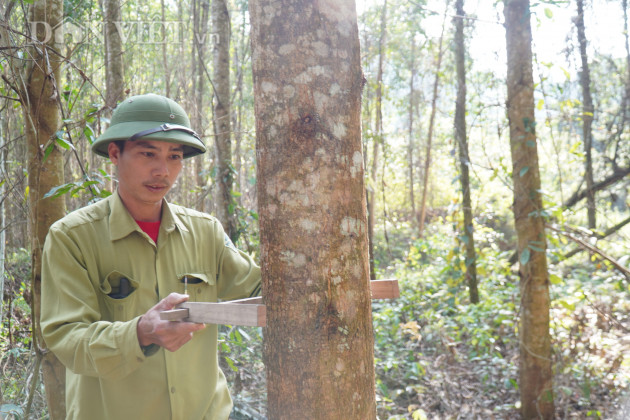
{"points": [[147, 154], [177, 157]]}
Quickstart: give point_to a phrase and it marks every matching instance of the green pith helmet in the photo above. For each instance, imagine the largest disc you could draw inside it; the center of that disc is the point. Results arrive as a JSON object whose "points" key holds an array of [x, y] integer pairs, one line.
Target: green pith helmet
{"points": [[152, 117]]}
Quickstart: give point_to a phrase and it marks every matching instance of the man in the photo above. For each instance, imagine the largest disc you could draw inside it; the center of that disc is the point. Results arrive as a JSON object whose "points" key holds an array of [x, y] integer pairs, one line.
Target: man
{"points": [[110, 268]]}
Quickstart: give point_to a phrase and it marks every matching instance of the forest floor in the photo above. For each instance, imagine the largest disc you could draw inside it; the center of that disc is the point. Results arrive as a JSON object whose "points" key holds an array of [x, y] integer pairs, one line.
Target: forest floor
{"points": [[435, 359], [455, 386]]}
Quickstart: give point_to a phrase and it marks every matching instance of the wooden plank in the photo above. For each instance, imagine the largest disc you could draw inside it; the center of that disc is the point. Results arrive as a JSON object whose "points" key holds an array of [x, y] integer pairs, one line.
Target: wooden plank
{"points": [[256, 300], [174, 315], [250, 315], [251, 312], [385, 289]]}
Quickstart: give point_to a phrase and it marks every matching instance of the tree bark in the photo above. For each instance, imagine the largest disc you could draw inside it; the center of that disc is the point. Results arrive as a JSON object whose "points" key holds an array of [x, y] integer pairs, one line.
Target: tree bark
{"points": [[616, 176], [467, 236], [318, 344], [587, 116], [378, 139], [535, 348], [201, 40], [427, 158], [221, 115], [43, 119], [115, 79], [411, 142]]}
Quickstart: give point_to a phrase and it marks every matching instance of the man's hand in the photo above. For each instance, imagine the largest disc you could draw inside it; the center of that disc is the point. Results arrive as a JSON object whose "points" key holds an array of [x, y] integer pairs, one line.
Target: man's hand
{"points": [[168, 334]]}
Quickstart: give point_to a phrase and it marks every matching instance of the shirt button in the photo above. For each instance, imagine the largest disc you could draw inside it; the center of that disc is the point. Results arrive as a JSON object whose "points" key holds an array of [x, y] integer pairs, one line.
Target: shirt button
{"points": [[172, 390]]}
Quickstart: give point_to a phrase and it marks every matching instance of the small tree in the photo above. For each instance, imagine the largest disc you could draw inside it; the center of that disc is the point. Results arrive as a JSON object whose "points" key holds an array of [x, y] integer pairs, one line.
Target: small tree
{"points": [[535, 350], [45, 171], [464, 159]]}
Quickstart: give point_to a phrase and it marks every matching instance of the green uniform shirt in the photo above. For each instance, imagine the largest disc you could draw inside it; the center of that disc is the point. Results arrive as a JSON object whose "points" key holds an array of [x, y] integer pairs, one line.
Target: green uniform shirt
{"points": [[108, 376]]}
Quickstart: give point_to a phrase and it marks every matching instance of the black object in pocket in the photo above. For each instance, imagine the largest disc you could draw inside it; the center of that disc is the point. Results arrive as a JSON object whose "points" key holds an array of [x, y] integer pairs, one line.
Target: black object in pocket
{"points": [[118, 285], [124, 289]]}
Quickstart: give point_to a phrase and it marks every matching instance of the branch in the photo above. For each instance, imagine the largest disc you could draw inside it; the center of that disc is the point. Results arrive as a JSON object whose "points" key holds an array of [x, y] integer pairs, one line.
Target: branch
{"points": [[616, 176], [607, 233], [593, 249]]}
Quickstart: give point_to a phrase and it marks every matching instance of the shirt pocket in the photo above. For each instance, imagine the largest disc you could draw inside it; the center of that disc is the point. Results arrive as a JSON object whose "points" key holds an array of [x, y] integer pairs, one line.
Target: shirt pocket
{"points": [[201, 287], [120, 297]]}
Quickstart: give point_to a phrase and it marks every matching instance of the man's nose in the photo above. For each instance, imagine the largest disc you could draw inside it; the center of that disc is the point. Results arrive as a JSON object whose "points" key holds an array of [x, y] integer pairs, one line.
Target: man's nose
{"points": [[160, 168]]}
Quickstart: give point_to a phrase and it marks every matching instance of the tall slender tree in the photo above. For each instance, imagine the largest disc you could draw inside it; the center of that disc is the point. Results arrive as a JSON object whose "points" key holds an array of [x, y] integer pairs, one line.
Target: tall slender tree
{"points": [[114, 69], [427, 156], [318, 344], [587, 116], [221, 117], [377, 139], [535, 342], [468, 236], [201, 41], [45, 170], [411, 112]]}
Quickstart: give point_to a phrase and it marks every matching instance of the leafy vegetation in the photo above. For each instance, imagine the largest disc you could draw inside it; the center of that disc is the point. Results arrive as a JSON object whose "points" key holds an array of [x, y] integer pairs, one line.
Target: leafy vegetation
{"points": [[436, 355]]}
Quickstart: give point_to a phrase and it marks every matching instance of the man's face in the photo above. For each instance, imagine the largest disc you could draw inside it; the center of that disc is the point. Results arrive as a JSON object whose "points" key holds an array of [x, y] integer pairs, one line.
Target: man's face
{"points": [[147, 170]]}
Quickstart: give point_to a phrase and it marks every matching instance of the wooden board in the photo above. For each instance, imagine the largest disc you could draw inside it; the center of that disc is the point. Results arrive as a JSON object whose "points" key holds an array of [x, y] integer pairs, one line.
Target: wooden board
{"points": [[251, 312], [385, 289], [249, 315]]}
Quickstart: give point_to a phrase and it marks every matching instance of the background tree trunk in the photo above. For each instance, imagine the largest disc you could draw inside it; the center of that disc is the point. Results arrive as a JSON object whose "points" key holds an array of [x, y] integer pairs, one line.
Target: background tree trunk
{"points": [[535, 349], [3, 225], [221, 115], [468, 236], [318, 344], [587, 116], [378, 140], [411, 142], [43, 119], [427, 157], [201, 39], [115, 78]]}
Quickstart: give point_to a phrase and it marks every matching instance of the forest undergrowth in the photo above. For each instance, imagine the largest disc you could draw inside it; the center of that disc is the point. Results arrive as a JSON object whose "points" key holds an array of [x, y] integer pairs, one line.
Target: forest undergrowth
{"points": [[436, 355]]}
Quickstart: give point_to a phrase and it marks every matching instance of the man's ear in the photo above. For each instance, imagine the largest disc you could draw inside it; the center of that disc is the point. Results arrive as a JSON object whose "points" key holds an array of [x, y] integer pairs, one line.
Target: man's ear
{"points": [[114, 152]]}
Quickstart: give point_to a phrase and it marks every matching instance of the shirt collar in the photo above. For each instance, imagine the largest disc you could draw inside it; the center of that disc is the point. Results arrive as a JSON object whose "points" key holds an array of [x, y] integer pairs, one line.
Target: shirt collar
{"points": [[121, 223]]}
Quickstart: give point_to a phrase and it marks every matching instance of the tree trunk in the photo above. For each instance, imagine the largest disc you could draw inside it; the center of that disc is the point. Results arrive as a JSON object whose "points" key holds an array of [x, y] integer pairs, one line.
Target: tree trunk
{"points": [[167, 69], [587, 116], [467, 236], [43, 119], [113, 54], [318, 344], [3, 225], [200, 42], [535, 349], [427, 158], [378, 139], [411, 142], [221, 115], [618, 175]]}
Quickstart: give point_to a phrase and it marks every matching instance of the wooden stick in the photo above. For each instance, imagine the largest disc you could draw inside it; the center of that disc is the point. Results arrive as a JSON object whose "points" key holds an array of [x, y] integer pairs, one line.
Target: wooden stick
{"points": [[251, 312], [385, 289]]}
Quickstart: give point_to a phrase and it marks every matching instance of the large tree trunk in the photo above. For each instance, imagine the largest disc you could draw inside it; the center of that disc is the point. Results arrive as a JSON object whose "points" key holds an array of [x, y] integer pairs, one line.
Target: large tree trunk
{"points": [[221, 115], [587, 116], [468, 236], [113, 54], [378, 140], [318, 346], [535, 349], [43, 119]]}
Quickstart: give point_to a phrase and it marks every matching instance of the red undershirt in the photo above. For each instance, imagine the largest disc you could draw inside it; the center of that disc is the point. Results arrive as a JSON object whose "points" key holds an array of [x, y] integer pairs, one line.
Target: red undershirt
{"points": [[150, 228]]}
